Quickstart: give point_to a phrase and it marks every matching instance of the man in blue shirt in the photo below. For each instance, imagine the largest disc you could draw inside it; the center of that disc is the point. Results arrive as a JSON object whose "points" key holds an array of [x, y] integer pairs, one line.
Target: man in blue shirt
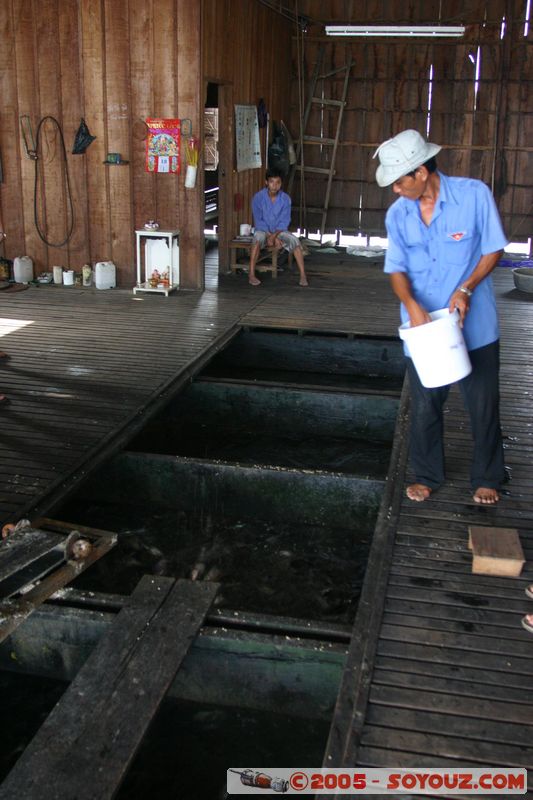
{"points": [[271, 208], [445, 238]]}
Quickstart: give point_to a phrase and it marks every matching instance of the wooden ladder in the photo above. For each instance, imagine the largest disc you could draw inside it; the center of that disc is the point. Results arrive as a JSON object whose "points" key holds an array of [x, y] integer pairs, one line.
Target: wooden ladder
{"points": [[300, 165]]}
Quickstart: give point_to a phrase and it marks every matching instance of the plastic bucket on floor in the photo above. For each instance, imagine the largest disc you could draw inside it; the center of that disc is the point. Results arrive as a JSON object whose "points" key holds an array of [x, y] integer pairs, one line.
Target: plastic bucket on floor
{"points": [[438, 349], [105, 275], [23, 269]]}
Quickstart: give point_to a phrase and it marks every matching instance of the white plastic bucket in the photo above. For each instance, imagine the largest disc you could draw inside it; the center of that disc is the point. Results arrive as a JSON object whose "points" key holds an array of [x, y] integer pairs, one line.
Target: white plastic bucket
{"points": [[68, 277], [23, 269], [438, 349], [105, 275]]}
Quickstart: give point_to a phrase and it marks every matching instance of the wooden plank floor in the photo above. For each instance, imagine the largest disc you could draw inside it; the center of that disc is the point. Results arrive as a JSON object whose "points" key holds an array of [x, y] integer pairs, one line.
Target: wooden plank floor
{"points": [[449, 677], [84, 365]]}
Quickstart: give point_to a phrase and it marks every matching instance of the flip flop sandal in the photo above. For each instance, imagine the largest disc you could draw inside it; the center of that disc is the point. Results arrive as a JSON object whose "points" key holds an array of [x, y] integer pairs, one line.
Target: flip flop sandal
{"points": [[527, 622], [529, 591]]}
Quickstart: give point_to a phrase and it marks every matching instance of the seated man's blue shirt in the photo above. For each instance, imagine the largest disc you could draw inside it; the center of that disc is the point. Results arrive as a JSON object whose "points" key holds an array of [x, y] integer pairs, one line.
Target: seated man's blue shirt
{"points": [[439, 257], [271, 216]]}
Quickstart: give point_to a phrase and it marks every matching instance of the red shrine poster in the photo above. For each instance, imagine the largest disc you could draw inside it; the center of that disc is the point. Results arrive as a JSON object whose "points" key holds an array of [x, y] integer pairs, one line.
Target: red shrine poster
{"points": [[163, 146]]}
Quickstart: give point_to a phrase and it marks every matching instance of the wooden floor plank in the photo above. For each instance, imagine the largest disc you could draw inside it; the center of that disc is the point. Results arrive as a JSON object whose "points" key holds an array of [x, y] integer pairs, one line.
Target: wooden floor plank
{"points": [[418, 699], [460, 740], [454, 687]]}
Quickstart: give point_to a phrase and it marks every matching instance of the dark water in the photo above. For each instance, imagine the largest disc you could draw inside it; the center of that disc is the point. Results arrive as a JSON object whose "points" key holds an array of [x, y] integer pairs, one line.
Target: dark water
{"points": [[26, 701], [292, 570], [189, 746], [190, 749]]}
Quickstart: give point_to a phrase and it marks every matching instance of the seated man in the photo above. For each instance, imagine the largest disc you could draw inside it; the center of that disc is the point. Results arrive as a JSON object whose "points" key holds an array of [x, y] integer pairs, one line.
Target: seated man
{"points": [[271, 208]]}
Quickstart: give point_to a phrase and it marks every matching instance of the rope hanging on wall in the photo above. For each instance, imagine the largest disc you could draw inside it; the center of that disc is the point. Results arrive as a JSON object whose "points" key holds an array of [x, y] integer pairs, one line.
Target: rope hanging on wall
{"points": [[38, 159]]}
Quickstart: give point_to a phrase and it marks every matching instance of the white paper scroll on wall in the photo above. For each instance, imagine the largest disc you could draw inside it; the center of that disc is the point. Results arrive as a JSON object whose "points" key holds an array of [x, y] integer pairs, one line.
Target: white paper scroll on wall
{"points": [[248, 148]]}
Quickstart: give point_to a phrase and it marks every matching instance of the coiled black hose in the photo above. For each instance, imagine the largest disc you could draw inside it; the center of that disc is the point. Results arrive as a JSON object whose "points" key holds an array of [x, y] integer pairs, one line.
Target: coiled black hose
{"points": [[67, 182]]}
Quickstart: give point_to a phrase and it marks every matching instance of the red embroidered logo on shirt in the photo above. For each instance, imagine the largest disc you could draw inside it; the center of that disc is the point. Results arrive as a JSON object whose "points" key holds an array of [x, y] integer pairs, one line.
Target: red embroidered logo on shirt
{"points": [[457, 236]]}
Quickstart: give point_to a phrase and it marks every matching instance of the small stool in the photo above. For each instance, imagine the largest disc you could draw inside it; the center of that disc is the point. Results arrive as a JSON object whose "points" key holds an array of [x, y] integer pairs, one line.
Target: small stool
{"points": [[269, 253]]}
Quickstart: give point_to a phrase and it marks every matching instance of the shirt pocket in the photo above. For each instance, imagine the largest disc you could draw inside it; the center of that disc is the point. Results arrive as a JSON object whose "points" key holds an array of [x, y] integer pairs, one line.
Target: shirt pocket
{"points": [[457, 249], [417, 250]]}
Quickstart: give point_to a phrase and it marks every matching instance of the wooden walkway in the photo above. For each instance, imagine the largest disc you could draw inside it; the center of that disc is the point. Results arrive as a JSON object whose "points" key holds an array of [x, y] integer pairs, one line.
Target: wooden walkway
{"points": [[440, 668]]}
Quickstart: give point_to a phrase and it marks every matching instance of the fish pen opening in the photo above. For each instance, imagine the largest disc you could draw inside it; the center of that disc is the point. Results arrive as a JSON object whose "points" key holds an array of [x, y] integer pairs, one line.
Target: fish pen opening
{"points": [[265, 475]]}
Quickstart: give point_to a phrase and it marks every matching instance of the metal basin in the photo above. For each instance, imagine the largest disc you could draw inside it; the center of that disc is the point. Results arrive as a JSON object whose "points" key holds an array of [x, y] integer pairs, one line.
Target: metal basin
{"points": [[523, 279]]}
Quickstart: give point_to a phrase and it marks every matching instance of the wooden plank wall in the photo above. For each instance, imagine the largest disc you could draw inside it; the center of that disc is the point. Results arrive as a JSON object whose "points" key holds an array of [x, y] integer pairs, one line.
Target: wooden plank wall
{"points": [[115, 63], [487, 136]]}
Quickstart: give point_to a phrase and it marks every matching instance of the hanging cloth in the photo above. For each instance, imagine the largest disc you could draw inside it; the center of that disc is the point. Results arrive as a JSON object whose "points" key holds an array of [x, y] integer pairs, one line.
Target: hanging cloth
{"points": [[83, 139]]}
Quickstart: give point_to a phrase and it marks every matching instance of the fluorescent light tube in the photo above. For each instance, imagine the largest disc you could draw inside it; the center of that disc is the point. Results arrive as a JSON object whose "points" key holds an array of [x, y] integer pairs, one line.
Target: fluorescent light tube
{"points": [[395, 30]]}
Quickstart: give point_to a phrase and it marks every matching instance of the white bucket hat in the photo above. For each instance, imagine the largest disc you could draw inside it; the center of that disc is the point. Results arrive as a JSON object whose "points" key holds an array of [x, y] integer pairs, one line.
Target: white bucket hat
{"points": [[402, 154]]}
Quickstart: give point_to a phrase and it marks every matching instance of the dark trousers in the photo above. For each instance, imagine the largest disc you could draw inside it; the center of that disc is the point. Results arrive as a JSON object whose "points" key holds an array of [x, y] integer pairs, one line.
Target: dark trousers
{"points": [[481, 396]]}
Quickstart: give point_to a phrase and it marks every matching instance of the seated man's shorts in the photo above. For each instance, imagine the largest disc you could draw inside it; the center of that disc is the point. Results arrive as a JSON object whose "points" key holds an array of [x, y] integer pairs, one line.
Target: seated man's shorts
{"points": [[290, 241]]}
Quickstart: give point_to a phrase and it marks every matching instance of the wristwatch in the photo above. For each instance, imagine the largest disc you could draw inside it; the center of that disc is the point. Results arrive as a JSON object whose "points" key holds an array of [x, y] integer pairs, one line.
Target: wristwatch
{"points": [[465, 290]]}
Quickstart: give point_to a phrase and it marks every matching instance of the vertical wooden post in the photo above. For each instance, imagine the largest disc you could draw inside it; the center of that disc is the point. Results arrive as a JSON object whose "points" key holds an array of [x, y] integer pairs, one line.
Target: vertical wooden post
{"points": [[118, 125], [191, 209], [94, 100], [11, 190], [225, 166]]}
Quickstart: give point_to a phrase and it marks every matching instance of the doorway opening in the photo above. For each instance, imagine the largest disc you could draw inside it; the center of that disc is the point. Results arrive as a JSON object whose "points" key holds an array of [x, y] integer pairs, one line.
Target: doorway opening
{"points": [[211, 184]]}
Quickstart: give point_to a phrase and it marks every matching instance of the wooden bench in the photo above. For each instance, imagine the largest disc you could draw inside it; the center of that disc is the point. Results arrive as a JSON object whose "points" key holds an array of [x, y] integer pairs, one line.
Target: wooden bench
{"points": [[84, 747], [268, 253]]}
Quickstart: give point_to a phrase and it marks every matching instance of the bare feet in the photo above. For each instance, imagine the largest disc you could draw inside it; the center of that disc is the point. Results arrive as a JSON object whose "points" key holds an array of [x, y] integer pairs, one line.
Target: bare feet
{"points": [[487, 497], [3, 355], [4, 400], [253, 281], [527, 622], [303, 282], [418, 492], [8, 528]]}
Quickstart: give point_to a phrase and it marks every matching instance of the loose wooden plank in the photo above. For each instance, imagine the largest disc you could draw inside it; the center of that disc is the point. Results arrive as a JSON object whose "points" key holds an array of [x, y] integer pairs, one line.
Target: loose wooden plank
{"points": [[86, 744]]}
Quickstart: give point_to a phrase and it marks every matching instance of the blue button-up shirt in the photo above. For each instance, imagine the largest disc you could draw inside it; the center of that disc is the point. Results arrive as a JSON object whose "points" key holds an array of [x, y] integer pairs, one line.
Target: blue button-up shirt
{"points": [[271, 216], [439, 257]]}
